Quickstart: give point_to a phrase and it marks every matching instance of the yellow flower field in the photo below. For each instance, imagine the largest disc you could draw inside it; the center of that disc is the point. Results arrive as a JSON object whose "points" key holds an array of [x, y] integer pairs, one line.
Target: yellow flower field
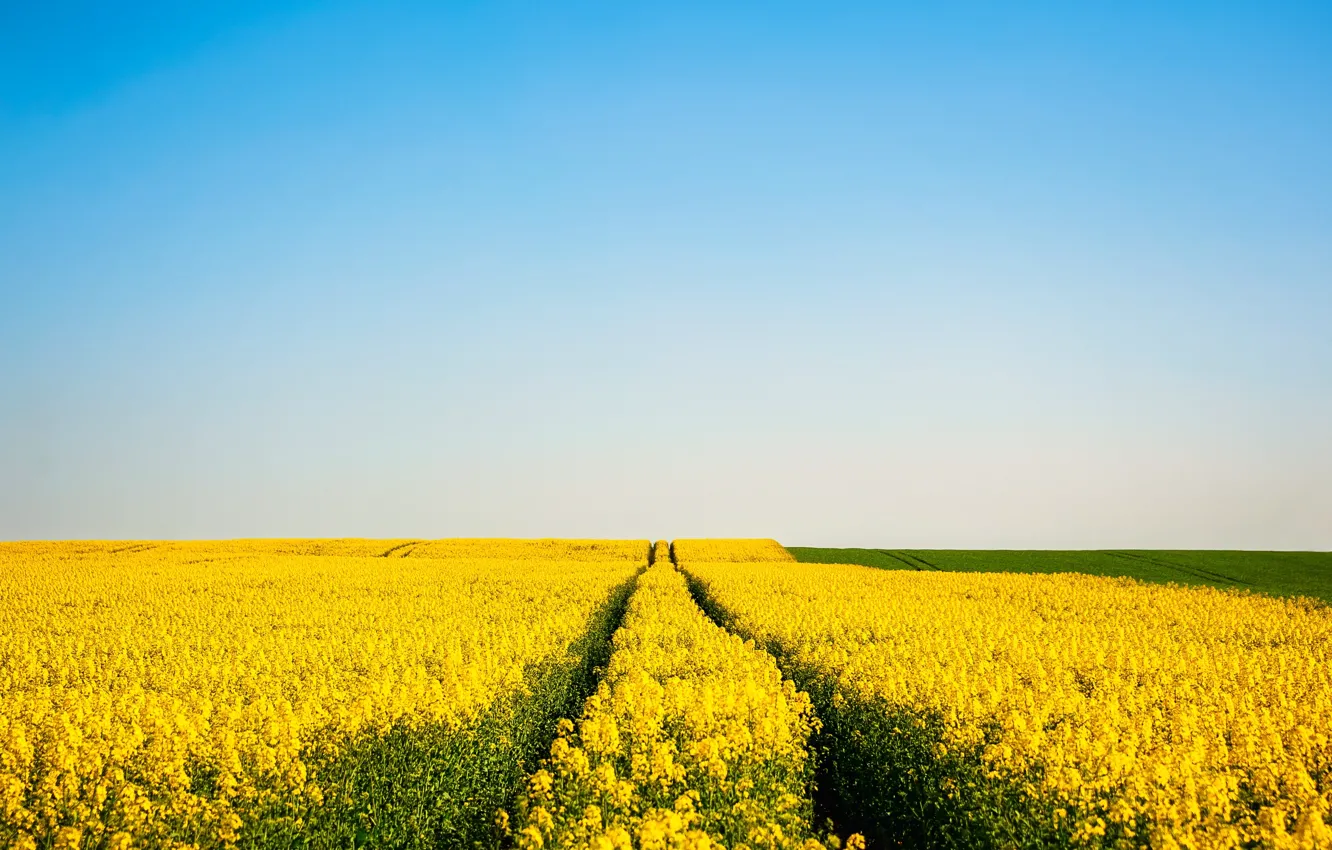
{"points": [[198, 693], [1095, 711], [406, 693], [693, 739]]}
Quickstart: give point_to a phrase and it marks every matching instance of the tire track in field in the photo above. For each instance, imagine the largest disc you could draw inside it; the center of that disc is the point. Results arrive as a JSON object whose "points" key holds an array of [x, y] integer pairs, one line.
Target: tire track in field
{"points": [[899, 559], [594, 650], [914, 561], [827, 807], [134, 548], [1195, 572], [408, 546], [915, 557]]}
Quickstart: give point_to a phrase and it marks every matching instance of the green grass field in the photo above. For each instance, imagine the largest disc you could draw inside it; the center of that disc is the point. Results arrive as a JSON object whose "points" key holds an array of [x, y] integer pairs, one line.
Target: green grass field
{"points": [[1278, 573]]}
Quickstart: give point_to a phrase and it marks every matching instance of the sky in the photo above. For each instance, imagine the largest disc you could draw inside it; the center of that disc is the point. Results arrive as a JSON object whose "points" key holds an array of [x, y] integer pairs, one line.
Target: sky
{"points": [[955, 275]]}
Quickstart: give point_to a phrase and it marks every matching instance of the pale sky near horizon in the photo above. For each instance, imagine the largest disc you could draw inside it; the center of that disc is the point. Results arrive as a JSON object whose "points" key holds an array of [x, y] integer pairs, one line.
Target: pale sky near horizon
{"points": [[1037, 275]]}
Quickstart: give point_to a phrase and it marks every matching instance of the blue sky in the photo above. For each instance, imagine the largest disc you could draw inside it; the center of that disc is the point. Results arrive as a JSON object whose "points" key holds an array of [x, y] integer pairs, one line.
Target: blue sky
{"points": [[1030, 275]]}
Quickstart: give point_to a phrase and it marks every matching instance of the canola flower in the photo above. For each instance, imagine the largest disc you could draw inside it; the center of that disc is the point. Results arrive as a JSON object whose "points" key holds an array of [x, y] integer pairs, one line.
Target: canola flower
{"points": [[1115, 713], [692, 740], [176, 695]]}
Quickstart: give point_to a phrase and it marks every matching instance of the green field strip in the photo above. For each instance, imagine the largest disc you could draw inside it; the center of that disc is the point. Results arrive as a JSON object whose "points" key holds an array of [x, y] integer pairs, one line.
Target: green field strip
{"points": [[1200, 573], [910, 558], [905, 560], [1277, 573], [867, 557]]}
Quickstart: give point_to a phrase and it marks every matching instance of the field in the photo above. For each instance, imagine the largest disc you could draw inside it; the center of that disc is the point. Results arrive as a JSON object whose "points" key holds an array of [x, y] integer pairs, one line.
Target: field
{"points": [[283, 693], [616, 694], [1279, 573]]}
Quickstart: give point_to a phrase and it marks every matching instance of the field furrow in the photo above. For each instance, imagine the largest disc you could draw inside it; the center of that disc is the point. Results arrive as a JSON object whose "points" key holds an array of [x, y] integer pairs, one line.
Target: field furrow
{"points": [[693, 739]]}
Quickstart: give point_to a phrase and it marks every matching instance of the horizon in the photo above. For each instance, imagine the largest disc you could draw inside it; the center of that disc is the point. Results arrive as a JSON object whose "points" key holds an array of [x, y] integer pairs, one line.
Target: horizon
{"points": [[650, 542], [864, 276]]}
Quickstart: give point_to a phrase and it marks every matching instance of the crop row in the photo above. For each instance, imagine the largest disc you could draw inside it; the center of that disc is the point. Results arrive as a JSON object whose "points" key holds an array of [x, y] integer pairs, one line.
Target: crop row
{"points": [[693, 739]]}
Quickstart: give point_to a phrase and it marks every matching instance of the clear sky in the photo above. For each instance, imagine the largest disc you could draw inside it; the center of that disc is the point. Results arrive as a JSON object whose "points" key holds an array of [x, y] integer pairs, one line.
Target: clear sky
{"points": [[950, 275]]}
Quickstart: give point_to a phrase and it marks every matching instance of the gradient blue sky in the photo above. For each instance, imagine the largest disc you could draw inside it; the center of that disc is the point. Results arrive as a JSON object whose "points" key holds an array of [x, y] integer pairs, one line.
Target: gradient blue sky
{"points": [[953, 275]]}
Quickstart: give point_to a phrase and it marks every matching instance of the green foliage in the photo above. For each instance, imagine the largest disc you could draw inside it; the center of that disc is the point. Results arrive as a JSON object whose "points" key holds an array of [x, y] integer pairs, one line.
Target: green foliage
{"points": [[1278, 573], [885, 773]]}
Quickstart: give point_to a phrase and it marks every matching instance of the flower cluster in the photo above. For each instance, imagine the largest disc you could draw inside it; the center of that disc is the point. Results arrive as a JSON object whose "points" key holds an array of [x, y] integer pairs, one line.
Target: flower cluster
{"points": [[1128, 714]]}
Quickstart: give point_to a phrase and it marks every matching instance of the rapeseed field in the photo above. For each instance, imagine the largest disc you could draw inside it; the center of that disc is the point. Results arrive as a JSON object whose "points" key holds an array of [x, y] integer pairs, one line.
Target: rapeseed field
{"points": [[233, 694], [693, 739], [612, 694], [974, 709]]}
